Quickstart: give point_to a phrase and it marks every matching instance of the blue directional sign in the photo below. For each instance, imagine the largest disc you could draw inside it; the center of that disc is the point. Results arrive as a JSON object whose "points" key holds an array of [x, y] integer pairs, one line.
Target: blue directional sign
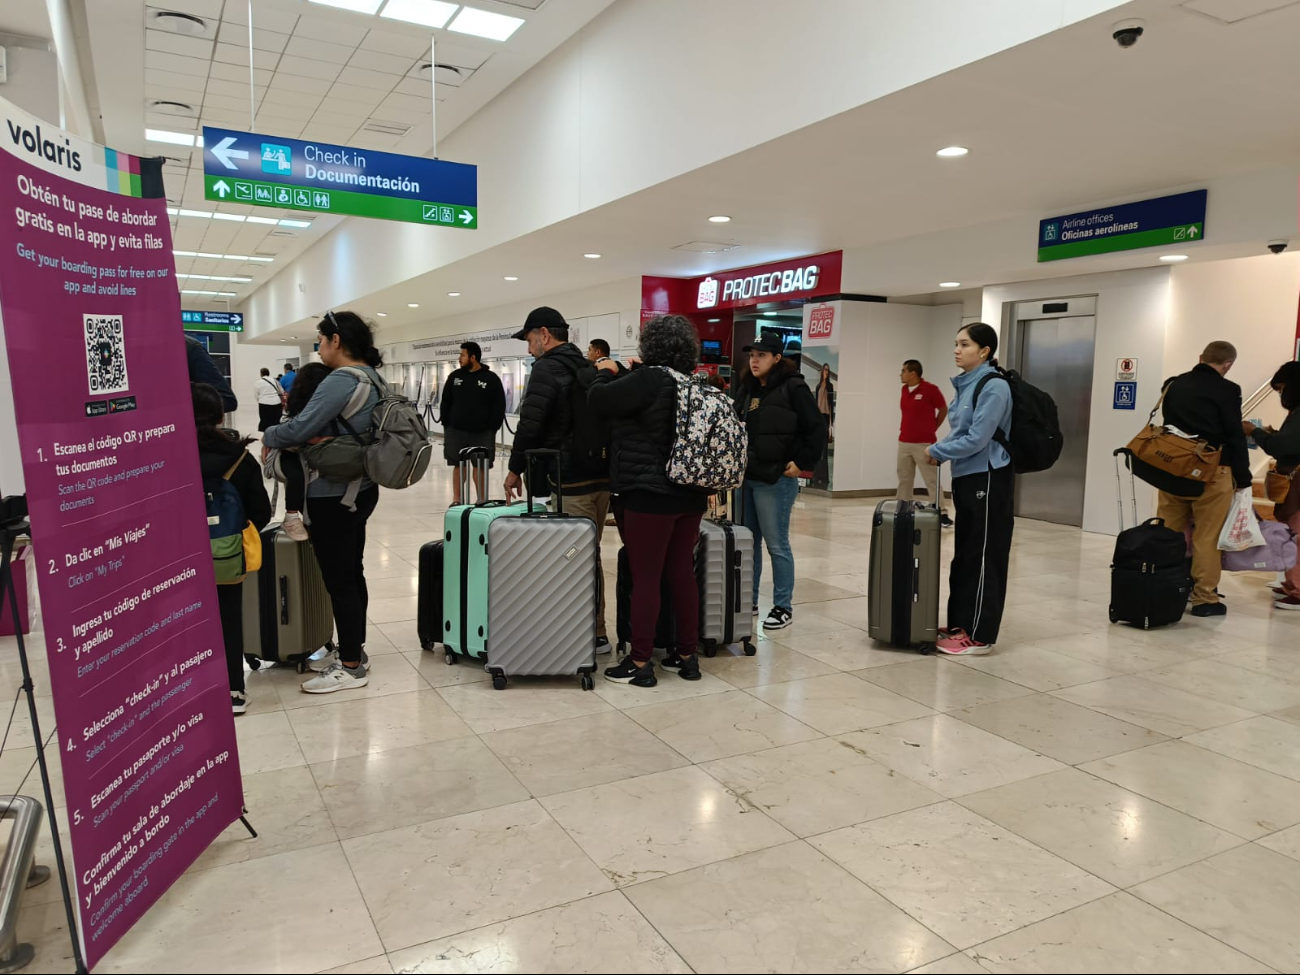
{"points": [[264, 170], [1177, 219], [1126, 395], [211, 321]]}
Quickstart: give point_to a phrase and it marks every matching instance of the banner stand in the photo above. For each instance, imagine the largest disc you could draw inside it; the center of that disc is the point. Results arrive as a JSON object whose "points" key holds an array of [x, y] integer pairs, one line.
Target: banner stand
{"points": [[9, 533]]}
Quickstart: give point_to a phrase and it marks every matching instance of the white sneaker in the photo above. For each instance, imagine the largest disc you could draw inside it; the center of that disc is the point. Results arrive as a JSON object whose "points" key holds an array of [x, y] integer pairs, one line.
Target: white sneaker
{"points": [[337, 678], [331, 657], [293, 527], [238, 701]]}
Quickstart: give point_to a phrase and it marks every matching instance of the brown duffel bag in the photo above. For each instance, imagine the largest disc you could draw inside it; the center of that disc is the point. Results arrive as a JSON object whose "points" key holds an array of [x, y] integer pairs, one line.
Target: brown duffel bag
{"points": [[1181, 457]]}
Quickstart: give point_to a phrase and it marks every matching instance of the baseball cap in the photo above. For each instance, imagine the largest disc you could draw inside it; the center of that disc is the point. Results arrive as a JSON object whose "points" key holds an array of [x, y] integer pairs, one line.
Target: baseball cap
{"points": [[543, 317], [767, 342]]}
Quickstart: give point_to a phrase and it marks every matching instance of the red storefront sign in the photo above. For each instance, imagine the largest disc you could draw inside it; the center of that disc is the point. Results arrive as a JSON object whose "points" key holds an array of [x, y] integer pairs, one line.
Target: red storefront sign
{"points": [[798, 279], [821, 324]]}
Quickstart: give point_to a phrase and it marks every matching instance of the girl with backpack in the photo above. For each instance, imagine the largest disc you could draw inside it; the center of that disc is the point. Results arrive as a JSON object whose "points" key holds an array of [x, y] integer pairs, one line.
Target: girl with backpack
{"points": [[786, 437], [983, 494], [288, 465], [224, 460], [339, 510]]}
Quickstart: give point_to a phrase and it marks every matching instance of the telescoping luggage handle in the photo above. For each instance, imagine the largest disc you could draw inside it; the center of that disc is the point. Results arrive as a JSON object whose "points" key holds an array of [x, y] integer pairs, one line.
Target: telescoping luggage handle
{"points": [[472, 458], [1119, 491], [539, 469]]}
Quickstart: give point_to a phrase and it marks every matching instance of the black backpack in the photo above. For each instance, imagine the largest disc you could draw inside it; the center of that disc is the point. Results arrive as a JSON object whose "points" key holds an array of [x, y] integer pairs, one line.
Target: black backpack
{"points": [[591, 429], [1036, 441]]}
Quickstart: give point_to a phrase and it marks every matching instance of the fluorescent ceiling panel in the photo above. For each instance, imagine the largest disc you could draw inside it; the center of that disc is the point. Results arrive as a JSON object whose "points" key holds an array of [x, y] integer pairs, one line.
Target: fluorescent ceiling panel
{"points": [[428, 13], [482, 23]]}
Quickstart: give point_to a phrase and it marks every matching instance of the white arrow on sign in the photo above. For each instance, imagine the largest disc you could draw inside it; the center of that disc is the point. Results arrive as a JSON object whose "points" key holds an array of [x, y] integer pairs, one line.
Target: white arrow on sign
{"points": [[1193, 232], [221, 188], [237, 319], [223, 153], [466, 217]]}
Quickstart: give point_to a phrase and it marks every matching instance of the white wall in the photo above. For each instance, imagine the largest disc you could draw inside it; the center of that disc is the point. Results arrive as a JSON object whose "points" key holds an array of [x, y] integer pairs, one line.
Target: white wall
{"points": [[246, 361], [1132, 314]]}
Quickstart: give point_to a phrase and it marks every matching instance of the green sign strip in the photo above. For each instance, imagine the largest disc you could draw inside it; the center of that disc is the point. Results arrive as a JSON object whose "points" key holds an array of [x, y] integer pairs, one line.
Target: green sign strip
{"points": [[1181, 234], [342, 202], [201, 327]]}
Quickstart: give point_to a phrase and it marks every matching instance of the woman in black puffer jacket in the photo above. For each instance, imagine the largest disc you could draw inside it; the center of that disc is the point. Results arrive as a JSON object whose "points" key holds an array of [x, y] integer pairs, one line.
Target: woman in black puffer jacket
{"points": [[659, 521]]}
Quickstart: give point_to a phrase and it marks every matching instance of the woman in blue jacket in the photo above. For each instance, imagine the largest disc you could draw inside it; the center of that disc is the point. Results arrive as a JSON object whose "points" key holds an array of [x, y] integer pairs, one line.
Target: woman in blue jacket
{"points": [[983, 493]]}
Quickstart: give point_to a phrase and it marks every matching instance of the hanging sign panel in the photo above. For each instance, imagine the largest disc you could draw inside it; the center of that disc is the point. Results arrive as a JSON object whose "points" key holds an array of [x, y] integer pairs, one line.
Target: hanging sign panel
{"points": [[137, 664], [1176, 220], [270, 171]]}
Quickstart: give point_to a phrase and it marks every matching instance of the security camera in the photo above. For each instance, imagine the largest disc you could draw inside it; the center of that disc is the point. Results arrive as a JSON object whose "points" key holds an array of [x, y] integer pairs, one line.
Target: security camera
{"points": [[1278, 246], [1127, 32]]}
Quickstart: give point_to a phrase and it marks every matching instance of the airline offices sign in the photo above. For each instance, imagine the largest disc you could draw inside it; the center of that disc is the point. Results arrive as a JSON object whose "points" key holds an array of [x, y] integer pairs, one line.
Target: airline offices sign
{"points": [[800, 278], [263, 170], [1176, 219]]}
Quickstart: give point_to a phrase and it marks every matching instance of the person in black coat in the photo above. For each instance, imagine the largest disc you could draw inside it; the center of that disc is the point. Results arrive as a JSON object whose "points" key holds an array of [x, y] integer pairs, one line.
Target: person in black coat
{"points": [[473, 409], [218, 454], [1284, 446], [658, 520]]}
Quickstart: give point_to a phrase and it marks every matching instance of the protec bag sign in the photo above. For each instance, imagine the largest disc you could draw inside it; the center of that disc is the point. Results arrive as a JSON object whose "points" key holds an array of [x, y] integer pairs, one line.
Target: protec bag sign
{"points": [[800, 278]]}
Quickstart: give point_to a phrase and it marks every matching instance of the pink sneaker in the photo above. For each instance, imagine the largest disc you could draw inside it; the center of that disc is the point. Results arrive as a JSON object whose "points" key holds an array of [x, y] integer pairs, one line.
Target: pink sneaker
{"points": [[962, 646]]}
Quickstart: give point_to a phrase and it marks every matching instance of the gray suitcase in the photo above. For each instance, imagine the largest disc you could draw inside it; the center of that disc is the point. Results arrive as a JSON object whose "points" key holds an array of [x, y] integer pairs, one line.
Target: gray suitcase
{"points": [[724, 565], [543, 594], [903, 585], [287, 612]]}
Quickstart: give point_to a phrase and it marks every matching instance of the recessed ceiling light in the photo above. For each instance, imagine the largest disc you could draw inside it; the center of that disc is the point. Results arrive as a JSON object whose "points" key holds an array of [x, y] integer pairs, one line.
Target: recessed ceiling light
{"points": [[303, 224], [196, 213], [720, 218], [1173, 258], [713, 320], [360, 6], [270, 221], [412, 304], [952, 152], [950, 284], [263, 260], [453, 294], [429, 13], [293, 336], [381, 314], [233, 217], [511, 277], [215, 277], [481, 23], [169, 137], [591, 257], [218, 294]]}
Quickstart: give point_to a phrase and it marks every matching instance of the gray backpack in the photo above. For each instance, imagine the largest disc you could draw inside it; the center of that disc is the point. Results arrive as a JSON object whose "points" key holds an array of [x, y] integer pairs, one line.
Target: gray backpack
{"points": [[393, 453]]}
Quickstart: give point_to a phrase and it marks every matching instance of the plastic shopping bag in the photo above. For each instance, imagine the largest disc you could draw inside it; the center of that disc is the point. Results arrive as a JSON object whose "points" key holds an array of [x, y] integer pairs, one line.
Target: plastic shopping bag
{"points": [[1241, 529]]}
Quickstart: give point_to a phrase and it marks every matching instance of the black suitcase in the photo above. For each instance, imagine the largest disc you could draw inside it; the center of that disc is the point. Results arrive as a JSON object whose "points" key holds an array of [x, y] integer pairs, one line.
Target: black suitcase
{"points": [[665, 628], [1149, 579], [428, 614], [903, 578]]}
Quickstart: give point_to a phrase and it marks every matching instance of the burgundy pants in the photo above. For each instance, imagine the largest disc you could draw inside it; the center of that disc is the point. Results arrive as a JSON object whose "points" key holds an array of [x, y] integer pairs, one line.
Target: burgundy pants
{"points": [[662, 547]]}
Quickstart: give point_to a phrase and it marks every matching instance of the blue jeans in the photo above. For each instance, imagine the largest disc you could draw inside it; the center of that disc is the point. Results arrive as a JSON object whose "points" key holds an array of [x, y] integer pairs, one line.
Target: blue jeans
{"points": [[767, 515]]}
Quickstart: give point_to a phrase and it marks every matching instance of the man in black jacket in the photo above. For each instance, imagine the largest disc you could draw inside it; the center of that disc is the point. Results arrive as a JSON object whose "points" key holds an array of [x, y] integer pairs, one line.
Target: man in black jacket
{"points": [[1204, 403], [473, 409], [203, 370], [553, 415]]}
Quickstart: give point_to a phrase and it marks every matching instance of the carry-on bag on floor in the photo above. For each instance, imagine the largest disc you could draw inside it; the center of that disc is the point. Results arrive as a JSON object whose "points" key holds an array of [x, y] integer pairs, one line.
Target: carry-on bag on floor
{"points": [[428, 611], [543, 590], [465, 562], [1149, 579], [287, 612], [665, 627], [903, 581], [724, 567]]}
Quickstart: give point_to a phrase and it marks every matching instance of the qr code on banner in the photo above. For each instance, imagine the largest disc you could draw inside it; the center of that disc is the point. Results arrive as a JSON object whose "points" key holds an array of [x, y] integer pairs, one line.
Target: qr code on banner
{"points": [[105, 354]]}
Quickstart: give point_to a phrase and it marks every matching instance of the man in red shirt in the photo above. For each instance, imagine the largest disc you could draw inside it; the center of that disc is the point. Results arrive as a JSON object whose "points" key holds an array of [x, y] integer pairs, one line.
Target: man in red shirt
{"points": [[924, 410]]}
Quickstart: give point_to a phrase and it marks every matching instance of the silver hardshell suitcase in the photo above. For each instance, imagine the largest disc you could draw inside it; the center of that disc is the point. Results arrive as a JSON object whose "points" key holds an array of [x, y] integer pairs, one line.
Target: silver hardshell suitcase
{"points": [[724, 565], [543, 594]]}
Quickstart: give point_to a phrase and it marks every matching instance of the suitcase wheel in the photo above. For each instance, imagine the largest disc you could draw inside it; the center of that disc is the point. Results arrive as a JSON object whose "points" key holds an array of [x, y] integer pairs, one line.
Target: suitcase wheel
{"points": [[710, 650], [451, 657], [1114, 617], [750, 649], [925, 648], [301, 665], [499, 682], [587, 682]]}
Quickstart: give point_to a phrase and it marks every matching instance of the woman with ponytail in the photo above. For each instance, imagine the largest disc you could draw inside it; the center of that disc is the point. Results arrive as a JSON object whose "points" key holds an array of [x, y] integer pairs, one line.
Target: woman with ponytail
{"points": [[983, 494], [338, 529]]}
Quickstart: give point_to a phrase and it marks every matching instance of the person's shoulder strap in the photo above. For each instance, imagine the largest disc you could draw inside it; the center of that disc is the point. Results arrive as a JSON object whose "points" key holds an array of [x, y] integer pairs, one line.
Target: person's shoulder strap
{"points": [[235, 466], [984, 381]]}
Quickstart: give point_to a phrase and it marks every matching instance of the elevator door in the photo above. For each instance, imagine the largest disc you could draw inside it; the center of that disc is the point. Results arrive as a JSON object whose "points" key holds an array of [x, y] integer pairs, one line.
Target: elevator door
{"points": [[1056, 355]]}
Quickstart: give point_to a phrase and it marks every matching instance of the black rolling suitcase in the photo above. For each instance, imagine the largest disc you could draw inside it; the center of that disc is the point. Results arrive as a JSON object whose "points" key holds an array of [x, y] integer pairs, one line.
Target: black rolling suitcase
{"points": [[665, 628], [428, 619], [903, 579], [1149, 579]]}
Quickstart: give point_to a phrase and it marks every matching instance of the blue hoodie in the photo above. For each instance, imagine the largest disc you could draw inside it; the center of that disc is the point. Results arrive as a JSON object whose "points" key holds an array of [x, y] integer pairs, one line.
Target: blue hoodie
{"points": [[969, 446]]}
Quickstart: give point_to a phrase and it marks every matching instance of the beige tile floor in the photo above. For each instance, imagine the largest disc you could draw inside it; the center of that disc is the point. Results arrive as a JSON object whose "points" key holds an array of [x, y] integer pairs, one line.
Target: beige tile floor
{"points": [[1088, 798]]}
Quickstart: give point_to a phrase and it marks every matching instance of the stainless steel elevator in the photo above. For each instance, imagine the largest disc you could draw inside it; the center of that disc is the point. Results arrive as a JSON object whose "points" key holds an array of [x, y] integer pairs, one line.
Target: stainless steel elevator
{"points": [[1053, 344]]}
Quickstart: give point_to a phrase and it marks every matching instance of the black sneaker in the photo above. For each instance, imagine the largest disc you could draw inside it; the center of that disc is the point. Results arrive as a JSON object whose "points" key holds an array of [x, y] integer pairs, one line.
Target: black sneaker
{"points": [[1210, 609], [756, 609], [945, 521], [688, 668], [627, 672], [238, 702], [254, 661], [778, 619], [602, 645], [671, 661]]}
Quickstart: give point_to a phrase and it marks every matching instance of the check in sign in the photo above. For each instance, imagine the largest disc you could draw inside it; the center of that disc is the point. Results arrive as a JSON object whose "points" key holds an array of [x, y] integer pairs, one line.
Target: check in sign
{"points": [[1169, 220], [263, 170]]}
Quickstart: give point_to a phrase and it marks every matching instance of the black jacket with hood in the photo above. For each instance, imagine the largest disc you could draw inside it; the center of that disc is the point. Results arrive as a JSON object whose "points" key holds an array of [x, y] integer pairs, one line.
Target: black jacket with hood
{"points": [[783, 425], [547, 418], [216, 455], [474, 401]]}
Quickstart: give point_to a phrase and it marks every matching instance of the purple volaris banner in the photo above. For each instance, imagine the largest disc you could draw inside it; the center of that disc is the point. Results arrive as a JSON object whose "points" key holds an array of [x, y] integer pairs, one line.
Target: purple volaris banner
{"points": [[89, 312]]}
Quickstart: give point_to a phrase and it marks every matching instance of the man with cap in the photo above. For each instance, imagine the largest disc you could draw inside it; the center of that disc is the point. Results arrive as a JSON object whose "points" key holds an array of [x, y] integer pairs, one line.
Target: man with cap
{"points": [[554, 415], [786, 437]]}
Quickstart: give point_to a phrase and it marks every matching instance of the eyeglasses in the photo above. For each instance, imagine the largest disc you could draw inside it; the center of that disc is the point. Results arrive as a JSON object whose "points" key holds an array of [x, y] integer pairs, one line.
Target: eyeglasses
{"points": [[329, 317]]}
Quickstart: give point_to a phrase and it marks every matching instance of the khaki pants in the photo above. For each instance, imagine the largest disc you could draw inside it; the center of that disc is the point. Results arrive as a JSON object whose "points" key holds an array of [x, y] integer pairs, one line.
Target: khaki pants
{"points": [[910, 457], [593, 507], [1207, 514]]}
